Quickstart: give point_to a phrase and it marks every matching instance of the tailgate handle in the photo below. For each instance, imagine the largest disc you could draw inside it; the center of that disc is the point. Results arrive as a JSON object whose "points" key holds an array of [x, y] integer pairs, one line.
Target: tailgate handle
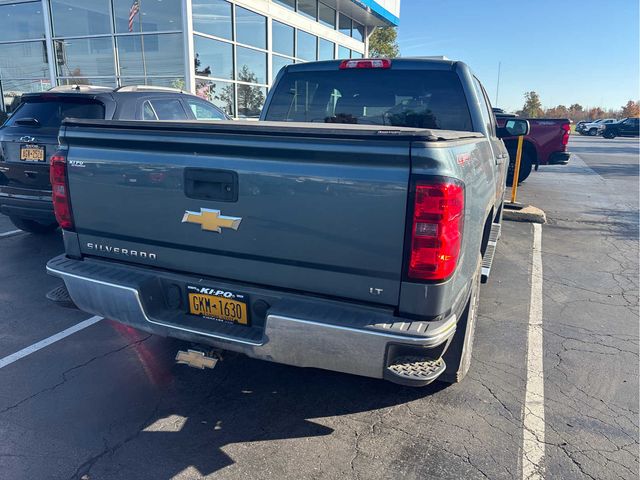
{"points": [[208, 184]]}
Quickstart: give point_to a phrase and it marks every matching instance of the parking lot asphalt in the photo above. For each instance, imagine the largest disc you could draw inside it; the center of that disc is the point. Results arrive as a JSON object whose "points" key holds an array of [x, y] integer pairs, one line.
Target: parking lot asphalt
{"points": [[108, 402]]}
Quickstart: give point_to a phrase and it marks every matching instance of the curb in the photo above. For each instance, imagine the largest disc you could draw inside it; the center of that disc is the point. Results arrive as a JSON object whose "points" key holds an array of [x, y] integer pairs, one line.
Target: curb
{"points": [[529, 214]]}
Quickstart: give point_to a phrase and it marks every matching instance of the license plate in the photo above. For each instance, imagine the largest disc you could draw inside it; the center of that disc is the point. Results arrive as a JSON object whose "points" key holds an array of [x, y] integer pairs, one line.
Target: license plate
{"points": [[32, 153], [218, 304]]}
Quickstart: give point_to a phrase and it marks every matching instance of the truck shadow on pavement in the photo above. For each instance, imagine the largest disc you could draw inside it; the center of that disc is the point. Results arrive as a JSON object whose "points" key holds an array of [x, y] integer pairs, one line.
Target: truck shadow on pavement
{"points": [[195, 414]]}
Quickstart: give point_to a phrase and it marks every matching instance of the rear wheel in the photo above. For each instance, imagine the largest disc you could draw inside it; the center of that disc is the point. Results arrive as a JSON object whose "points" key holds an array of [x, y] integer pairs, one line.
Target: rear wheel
{"points": [[593, 132], [525, 167], [458, 355], [607, 134], [32, 226]]}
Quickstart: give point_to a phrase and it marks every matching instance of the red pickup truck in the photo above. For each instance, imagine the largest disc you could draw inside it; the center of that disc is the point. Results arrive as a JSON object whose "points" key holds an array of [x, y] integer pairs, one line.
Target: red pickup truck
{"points": [[546, 144]]}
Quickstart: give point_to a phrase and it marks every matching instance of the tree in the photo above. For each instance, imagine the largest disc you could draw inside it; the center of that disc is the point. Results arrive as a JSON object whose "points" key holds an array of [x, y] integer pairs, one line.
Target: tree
{"points": [[383, 42], [205, 72], [631, 109], [594, 113], [532, 105], [557, 112], [250, 98]]}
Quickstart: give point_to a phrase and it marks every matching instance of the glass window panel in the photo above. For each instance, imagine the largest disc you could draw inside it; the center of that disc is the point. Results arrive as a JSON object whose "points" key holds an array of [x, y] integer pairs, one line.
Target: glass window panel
{"points": [[21, 21], [84, 57], [355, 54], [212, 17], [173, 82], [343, 52], [277, 62], [158, 55], [203, 110], [50, 114], [344, 24], [99, 82], [153, 15], [326, 15], [308, 8], [24, 60], [252, 65], [168, 109], [306, 46], [282, 38], [221, 94], [287, 3], [250, 100], [325, 49], [148, 113], [213, 58], [80, 17], [358, 32], [251, 28], [13, 89]]}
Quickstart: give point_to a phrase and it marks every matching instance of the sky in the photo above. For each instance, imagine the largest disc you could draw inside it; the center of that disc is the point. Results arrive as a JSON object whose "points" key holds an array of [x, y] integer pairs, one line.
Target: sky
{"points": [[569, 51]]}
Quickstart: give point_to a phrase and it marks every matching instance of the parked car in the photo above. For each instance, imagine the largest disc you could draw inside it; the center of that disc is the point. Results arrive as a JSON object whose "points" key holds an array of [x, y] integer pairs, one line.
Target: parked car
{"points": [[30, 136], [356, 242], [628, 127], [580, 125], [546, 144], [595, 128]]}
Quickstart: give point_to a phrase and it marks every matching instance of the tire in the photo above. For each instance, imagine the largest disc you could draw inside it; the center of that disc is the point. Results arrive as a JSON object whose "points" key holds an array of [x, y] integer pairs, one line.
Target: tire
{"points": [[525, 168], [609, 135], [458, 355], [593, 132], [32, 226]]}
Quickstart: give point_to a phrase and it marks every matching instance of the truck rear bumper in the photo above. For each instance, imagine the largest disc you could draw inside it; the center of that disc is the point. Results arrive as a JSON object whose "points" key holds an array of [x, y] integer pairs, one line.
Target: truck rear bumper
{"points": [[293, 329], [559, 158]]}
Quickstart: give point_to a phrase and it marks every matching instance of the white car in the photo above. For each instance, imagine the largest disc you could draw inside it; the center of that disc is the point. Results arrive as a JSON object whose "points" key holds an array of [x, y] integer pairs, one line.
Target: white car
{"points": [[596, 127]]}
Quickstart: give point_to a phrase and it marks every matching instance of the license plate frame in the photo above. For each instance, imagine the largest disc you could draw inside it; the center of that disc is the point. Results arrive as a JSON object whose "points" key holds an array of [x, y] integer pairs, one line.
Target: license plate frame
{"points": [[26, 153], [218, 304]]}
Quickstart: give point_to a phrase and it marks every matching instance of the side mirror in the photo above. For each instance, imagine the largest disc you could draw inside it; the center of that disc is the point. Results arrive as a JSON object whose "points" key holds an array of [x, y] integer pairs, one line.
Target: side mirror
{"points": [[514, 127]]}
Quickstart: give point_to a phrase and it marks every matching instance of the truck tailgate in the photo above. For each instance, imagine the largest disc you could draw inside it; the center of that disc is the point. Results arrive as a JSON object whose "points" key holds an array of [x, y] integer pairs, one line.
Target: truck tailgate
{"points": [[314, 209]]}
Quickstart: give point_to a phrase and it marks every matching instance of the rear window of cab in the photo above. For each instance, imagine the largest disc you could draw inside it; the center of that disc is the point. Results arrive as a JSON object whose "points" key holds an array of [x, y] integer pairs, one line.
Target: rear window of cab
{"points": [[403, 98]]}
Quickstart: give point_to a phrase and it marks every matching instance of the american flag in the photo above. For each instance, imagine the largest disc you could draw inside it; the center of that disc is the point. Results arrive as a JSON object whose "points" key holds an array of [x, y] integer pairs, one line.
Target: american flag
{"points": [[135, 9]]}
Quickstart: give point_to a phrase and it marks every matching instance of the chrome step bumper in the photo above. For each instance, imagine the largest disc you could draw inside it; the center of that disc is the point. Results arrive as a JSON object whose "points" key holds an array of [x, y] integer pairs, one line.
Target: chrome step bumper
{"points": [[296, 331]]}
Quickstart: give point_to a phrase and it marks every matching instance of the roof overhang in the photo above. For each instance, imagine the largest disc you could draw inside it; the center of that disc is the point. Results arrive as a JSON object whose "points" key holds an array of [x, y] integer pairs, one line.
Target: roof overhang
{"points": [[371, 13]]}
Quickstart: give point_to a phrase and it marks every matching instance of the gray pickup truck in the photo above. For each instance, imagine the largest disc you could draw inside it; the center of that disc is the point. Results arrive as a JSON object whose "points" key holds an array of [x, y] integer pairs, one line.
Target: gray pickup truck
{"points": [[349, 230]]}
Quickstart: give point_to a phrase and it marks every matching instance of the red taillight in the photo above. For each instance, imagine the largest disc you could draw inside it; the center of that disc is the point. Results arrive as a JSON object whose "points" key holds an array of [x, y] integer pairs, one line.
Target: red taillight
{"points": [[565, 136], [366, 63], [436, 233], [60, 189]]}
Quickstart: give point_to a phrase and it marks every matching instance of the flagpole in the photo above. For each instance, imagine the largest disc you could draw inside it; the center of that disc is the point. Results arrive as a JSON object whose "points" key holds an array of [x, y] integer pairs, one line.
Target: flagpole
{"points": [[144, 59]]}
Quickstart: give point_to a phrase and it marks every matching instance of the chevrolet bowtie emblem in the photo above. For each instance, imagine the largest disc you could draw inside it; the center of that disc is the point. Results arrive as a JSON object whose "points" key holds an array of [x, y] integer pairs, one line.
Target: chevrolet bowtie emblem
{"points": [[211, 220]]}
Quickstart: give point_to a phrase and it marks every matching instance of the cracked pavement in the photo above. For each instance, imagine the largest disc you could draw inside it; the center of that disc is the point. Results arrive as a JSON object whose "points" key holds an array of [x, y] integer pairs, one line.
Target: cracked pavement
{"points": [[108, 402]]}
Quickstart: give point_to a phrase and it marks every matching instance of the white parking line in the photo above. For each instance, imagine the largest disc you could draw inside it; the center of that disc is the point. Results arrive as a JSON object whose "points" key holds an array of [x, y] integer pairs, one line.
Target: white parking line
{"points": [[14, 357], [10, 233], [533, 435]]}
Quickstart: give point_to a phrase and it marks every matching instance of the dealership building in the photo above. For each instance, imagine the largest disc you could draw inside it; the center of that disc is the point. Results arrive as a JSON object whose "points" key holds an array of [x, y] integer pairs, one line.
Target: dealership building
{"points": [[226, 50]]}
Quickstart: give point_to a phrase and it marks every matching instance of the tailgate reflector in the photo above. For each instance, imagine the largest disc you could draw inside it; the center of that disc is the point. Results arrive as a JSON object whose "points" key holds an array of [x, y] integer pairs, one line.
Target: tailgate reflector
{"points": [[436, 232], [366, 63]]}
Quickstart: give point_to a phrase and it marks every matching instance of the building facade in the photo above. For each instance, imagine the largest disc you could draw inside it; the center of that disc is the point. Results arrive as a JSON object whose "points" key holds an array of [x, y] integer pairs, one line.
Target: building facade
{"points": [[228, 51]]}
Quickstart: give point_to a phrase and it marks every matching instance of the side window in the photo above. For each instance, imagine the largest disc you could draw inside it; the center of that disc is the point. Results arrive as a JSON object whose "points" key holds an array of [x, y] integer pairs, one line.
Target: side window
{"points": [[204, 111], [148, 113], [168, 109], [492, 116], [485, 110]]}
